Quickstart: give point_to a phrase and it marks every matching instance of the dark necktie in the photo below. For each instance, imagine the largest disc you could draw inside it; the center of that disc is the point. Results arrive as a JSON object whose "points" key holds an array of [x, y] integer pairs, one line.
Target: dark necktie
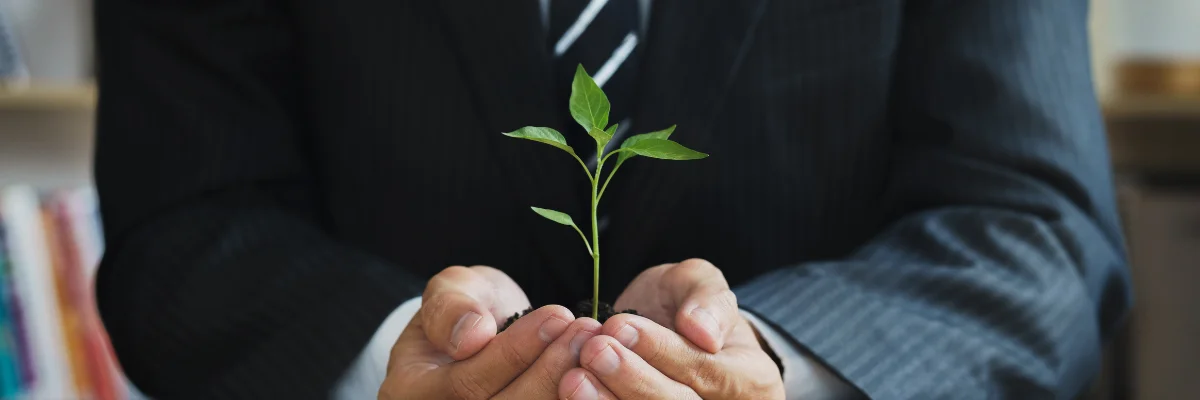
{"points": [[603, 36]]}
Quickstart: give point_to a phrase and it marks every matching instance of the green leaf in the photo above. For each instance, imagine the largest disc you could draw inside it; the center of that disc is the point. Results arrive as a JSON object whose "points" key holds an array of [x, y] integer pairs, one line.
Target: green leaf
{"points": [[544, 135], [589, 106], [633, 140], [665, 149], [555, 216], [602, 137]]}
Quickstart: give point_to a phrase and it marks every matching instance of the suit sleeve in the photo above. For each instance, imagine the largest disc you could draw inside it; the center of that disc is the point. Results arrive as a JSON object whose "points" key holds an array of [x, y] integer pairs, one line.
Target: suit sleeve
{"points": [[1003, 270], [220, 279]]}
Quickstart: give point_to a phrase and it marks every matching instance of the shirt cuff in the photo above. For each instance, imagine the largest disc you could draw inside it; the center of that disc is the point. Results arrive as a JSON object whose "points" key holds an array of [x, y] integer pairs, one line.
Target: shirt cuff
{"points": [[803, 377], [365, 376]]}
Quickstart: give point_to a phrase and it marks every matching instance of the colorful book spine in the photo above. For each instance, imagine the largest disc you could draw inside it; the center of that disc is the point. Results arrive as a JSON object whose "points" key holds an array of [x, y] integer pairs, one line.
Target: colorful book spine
{"points": [[10, 374], [34, 285], [66, 283], [74, 211]]}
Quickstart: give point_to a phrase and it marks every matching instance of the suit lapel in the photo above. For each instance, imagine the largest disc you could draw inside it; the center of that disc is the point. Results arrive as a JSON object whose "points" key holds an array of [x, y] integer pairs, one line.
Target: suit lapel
{"points": [[694, 51], [504, 58]]}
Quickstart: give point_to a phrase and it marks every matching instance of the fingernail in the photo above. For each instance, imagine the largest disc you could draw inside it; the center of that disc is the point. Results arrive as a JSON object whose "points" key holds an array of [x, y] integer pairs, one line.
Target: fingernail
{"points": [[578, 340], [628, 336], [707, 321], [585, 391], [606, 362], [551, 329], [464, 324]]}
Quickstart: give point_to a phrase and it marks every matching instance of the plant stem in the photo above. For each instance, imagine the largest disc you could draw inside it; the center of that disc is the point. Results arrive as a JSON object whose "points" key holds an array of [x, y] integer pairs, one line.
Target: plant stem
{"points": [[610, 173], [585, 241], [586, 171], [609, 179], [596, 240]]}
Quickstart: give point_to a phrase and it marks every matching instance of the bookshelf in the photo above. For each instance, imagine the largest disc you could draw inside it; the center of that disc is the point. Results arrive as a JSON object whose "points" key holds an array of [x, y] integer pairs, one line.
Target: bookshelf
{"points": [[1148, 106], [46, 135], [49, 98], [1154, 134]]}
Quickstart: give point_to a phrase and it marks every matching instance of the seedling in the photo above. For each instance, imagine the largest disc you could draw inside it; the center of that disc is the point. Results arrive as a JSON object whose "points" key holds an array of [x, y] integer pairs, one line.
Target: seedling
{"points": [[590, 107]]}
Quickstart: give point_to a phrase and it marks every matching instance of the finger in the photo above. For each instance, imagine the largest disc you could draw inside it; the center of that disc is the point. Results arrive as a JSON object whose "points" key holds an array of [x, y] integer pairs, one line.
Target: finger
{"points": [[626, 374], [740, 368], [512, 299], [510, 353], [644, 295], [413, 357], [456, 311], [708, 310], [541, 381], [579, 384]]}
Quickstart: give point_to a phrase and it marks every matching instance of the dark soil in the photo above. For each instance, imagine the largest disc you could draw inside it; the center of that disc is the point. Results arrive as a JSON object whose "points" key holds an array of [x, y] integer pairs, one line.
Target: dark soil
{"points": [[582, 309]]}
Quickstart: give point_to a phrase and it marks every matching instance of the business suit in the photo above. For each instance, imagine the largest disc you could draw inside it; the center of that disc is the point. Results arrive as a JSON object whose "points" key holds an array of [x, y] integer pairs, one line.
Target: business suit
{"points": [[917, 192]]}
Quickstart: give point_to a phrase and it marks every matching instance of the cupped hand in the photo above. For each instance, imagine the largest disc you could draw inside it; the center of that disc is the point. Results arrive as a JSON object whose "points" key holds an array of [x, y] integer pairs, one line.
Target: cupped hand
{"points": [[450, 349], [691, 343]]}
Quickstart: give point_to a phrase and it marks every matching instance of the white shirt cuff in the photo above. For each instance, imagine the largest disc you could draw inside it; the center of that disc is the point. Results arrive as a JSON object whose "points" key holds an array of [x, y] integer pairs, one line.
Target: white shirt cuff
{"points": [[365, 375], [803, 377]]}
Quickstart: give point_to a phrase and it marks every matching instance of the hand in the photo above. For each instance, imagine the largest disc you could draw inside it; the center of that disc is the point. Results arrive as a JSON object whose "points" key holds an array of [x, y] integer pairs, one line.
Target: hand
{"points": [[692, 343], [450, 349]]}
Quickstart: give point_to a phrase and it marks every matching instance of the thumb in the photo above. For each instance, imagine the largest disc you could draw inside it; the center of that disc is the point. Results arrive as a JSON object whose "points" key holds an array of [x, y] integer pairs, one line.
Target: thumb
{"points": [[456, 312], [707, 310]]}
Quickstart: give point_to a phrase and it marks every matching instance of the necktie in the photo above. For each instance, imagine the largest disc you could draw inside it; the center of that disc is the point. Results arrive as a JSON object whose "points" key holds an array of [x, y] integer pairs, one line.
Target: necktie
{"points": [[603, 36]]}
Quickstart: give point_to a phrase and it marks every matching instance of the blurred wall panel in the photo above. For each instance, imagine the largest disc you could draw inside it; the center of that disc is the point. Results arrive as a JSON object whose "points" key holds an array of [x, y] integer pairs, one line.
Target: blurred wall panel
{"points": [[1164, 237], [54, 38], [47, 149]]}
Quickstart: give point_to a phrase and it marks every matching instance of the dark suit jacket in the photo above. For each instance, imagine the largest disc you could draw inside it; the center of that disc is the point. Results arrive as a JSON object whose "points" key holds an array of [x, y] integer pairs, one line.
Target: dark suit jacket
{"points": [[918, 192]]}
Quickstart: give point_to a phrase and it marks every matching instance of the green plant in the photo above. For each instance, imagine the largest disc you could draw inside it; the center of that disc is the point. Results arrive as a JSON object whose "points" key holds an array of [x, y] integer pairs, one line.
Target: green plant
{"points": [[590, 107]]}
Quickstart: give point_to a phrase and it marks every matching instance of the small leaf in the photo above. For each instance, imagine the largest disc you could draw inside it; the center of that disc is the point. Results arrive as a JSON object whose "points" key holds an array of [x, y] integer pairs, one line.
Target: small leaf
{"points": [[544, 135], [663, 134], [555, 216], [602, 137], [665, 149], [589, 105]]}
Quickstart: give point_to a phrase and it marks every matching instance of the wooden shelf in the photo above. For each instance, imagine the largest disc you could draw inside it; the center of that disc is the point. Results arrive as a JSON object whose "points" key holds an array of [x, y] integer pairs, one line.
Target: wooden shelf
{"points": [[1157, 135], [49, 98], [1153, 107]]}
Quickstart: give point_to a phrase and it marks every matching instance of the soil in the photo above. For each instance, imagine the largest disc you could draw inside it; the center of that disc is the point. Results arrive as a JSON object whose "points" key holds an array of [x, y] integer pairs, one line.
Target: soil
{"points": [[582, 309]]}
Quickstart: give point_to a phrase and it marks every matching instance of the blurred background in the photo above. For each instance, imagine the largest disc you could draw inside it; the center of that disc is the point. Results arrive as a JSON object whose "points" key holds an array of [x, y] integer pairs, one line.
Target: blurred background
{"points": [[1146, 63]]}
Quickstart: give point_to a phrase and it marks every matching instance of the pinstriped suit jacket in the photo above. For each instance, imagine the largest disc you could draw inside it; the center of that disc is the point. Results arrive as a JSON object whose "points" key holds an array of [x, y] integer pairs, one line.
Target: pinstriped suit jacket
{"points": [[916, 191]]}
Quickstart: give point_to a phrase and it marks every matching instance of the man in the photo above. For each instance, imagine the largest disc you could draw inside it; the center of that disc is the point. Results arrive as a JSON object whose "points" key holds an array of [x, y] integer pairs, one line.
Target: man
{"points": [[910, 199]]}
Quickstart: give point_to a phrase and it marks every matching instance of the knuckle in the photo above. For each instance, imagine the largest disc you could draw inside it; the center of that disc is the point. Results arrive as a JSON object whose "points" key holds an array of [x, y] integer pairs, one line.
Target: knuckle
{"points": [[513, 357], [455, 273], [727, 300], [656, 353], [698, 264], [691, 269], [435, 306], [387, 392], [546, 382], [760, 386], [659, 269], [447, 277], [484, 269], [468, 386], [710, 380]]}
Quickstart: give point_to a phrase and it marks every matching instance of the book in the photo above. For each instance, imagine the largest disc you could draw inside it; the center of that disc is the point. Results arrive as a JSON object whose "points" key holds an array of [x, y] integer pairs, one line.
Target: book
{"points": [[10, 374], [32, 275], [75, 213], [66, 284]]}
